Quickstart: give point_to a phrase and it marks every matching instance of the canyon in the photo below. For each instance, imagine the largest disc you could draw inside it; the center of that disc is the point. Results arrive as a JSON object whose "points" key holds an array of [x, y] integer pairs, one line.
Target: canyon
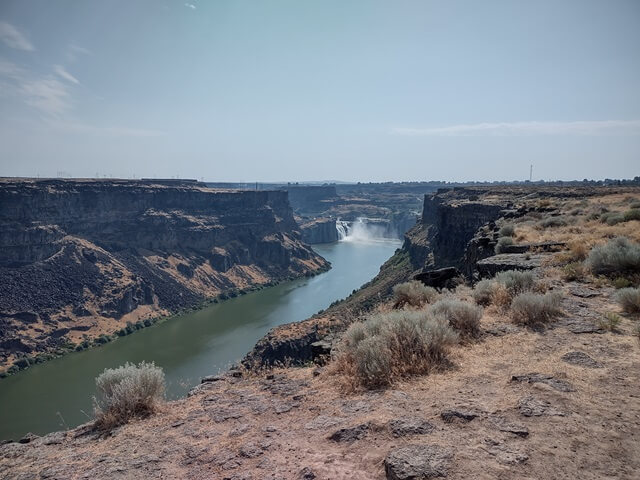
{"points": [[82, 260], [515, 402]]}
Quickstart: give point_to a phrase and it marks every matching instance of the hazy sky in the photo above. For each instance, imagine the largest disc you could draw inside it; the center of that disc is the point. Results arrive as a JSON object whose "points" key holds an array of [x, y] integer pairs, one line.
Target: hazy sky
{"points": [[268, 90]]}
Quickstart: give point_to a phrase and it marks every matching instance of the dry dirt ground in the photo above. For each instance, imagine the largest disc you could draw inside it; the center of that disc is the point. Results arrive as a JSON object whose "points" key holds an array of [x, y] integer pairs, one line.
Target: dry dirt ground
{"points": [[579, 419]]}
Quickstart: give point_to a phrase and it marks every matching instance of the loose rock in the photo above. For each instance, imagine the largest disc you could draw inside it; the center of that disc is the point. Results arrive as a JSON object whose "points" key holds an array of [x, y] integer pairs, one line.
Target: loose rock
{"points": [[505, 425], [532, 407], [351, 434], [401, 427], [414, 462], [452, 414], [550, 380], [581, 359]]}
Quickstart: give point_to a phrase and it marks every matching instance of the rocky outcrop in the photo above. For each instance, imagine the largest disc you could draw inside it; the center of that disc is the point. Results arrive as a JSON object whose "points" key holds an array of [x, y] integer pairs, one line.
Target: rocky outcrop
{"points": [[319, 230], [98, 254], [449, 221]]}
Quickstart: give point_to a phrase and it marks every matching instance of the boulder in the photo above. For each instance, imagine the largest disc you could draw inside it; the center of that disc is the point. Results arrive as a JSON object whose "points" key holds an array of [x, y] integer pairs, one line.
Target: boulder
{"points": [[439, 278]]}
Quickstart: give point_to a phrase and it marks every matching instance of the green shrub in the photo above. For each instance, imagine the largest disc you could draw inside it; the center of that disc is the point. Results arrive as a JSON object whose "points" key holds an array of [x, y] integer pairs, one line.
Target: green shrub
{"points": [[531, 308], [612, 218], [622, 282], [516, 281], [22, 363], [502, 243], [101, 340], [394, 345], [462, 316], [127, 392], [629, 299], [483, 291], [633, 214], [413, 293], [507, 230], [619, 255]]}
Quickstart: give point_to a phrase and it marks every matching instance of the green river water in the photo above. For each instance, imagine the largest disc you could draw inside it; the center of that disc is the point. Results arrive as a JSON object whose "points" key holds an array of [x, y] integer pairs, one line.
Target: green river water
{"points": [[57, 394]]}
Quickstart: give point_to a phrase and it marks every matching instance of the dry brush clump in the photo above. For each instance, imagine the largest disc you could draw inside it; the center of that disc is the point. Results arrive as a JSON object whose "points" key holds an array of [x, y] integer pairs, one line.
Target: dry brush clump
{"points": [[413, 293], [127, 392], [503, 287], [393, 345], [617, 256], [483, 292], [534, 308], [462, 316], [573, 271], [629, 299], [555, 222], [516, 281]]}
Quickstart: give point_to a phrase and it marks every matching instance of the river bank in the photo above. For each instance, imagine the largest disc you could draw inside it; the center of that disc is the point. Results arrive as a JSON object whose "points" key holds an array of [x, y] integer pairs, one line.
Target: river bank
{"points": [[57, 394]]}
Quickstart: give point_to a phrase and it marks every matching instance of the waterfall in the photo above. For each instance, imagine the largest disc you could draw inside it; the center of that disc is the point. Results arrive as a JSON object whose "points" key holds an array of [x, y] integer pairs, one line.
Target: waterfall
{"points": [[343, 228], [360, 230]]}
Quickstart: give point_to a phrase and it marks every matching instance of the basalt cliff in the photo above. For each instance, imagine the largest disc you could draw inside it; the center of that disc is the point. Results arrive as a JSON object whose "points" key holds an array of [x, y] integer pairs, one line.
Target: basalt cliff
{"points": [[80, 260]]}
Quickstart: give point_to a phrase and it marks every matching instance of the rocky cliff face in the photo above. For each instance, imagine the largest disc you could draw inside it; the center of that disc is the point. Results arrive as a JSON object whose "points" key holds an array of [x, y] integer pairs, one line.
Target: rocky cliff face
{"points": [[321, 230], [449, 221], [86, 257]]}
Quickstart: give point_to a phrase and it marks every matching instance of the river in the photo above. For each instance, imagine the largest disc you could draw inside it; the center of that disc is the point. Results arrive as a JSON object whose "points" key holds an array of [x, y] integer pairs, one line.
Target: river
{"points": [[57, 395]]}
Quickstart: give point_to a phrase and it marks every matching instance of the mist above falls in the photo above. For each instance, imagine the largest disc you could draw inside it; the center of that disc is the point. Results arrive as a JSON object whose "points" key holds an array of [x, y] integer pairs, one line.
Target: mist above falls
{"points": [[362, 230]]}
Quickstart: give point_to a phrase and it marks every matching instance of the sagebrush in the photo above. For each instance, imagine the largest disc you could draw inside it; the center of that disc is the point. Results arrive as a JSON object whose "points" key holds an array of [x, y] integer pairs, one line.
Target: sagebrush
{"points": [[619, 255], [507, 230], [516, 281], [629, 299], [462, 316], [413, 293], [503, 242], [392, 345], [127, 392], [533, 308], [483, 291]]}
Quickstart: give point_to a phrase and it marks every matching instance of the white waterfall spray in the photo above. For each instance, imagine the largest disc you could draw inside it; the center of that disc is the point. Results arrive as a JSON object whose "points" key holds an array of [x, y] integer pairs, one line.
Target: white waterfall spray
{"points": [[360, 230], [343, 228]]}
